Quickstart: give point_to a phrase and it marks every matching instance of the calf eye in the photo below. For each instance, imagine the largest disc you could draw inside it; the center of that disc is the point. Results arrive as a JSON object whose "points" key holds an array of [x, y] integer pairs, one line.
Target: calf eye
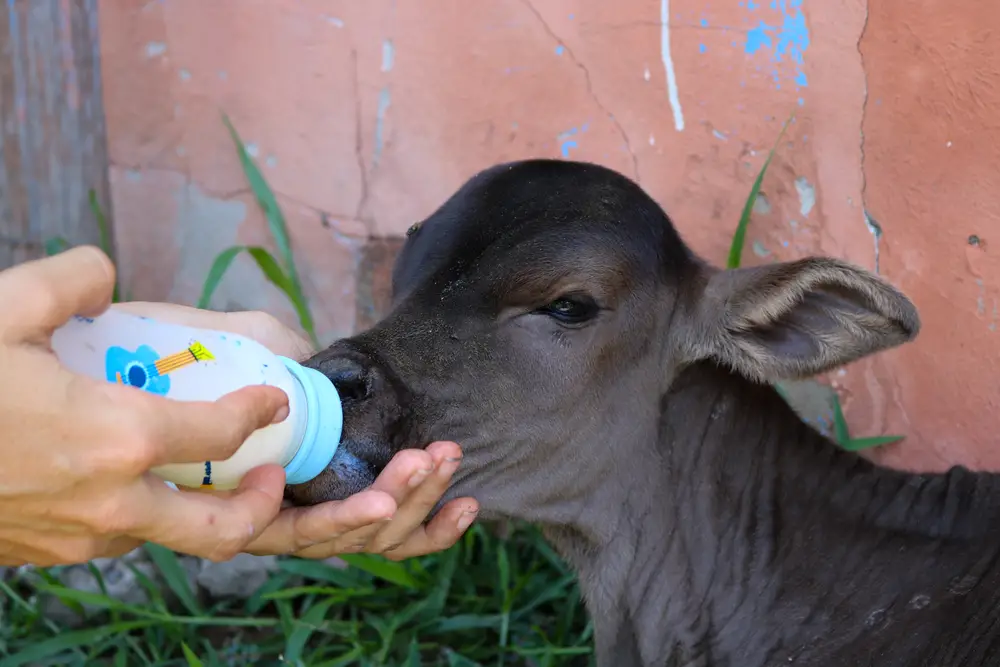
{"points": [[571, 310]]}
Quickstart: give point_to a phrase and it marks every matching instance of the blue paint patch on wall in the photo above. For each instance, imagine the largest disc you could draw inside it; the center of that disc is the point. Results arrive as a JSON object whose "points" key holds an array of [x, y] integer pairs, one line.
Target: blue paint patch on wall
{"points": [[789, 40], [560, 50], [702, 48], [567, 141], [566, 145]]}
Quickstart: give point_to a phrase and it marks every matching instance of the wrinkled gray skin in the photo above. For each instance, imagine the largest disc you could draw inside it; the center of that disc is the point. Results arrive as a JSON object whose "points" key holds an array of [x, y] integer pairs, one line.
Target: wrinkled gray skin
{"points": [[708, 525]]}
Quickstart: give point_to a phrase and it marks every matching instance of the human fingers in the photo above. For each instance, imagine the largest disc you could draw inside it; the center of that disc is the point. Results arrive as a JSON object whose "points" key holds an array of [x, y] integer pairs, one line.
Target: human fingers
{"points": [[442, 532], [156, 430], [41, 295], [406, 470], [320, 527], [209, 526], [423, 497], [255, 325]]}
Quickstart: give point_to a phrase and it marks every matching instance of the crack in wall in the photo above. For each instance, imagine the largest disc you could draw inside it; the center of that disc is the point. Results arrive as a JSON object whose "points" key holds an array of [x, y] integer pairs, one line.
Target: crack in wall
{"points": [[359, 145], [589, 83], [239, 192], [874, 228]]}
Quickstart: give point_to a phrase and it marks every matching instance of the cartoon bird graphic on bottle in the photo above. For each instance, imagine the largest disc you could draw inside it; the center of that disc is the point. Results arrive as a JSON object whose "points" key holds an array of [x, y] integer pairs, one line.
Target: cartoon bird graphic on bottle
{"points": [[146, 370]]}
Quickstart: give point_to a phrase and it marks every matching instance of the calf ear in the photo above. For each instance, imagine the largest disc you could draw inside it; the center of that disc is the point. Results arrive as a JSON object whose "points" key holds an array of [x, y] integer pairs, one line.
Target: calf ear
{"points": [[796, 319]]}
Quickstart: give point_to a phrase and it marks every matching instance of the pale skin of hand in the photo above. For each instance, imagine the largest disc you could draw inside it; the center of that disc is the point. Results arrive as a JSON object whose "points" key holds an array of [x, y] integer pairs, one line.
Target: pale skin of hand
{"points": [[74, 482]]}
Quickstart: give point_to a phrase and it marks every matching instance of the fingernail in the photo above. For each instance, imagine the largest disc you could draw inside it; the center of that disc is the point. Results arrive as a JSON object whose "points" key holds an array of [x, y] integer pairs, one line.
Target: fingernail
{"points": [[453, 459], [466, 520], [280, 415], [418, 477], [387, 518]]}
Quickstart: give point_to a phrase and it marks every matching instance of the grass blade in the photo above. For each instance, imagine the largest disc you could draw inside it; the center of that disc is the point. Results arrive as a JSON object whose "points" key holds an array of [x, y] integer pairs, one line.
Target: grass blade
{"points": [[319, 571], [67, 641], [173, 573], [305, 627], [272, 271], [105, 230], [56, 245], [413, 654], [387, 570], [739, 237], [857, 444], [192, 659], [840, 430], [219, 267], [265, 197], [278, 227]]}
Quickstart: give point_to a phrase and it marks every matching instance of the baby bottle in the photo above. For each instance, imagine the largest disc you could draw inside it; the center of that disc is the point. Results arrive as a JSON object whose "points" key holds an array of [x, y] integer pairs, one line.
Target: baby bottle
{"points": [[184, 363]]}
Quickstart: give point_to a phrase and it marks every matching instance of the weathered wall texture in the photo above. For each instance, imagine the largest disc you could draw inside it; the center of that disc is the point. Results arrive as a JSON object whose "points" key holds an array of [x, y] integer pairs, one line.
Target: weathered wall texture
{"points": [[365, 115]]}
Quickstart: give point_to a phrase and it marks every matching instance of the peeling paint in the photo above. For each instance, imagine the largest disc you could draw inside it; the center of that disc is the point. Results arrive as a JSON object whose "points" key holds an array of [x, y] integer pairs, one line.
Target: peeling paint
{"points": [[876, 232], [185, 75], [760, 250], [154, 49], [668, 65], [807, 195], [384, 101], [388, 55], [761, 205], [334, 21]]}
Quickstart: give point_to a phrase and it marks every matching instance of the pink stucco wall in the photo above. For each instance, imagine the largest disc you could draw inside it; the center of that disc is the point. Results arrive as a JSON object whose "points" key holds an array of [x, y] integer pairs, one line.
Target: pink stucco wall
{"points": [[365, 115]]}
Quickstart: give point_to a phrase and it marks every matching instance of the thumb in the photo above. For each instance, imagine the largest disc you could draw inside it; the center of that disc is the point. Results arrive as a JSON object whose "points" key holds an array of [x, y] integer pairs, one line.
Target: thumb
{"points": [[41, 295]]}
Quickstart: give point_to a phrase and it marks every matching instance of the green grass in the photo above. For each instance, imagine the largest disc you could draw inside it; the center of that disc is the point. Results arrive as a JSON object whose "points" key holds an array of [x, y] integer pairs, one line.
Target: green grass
{"points": [[487, 601]]}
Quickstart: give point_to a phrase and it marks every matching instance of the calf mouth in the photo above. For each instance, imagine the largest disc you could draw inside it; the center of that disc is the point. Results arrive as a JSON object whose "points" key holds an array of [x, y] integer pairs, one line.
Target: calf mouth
{"points": [[354, 467], [374, 426]]}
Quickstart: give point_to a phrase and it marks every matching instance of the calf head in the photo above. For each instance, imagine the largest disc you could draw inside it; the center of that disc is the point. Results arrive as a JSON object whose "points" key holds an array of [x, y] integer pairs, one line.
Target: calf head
{"points": [[539, 317]]}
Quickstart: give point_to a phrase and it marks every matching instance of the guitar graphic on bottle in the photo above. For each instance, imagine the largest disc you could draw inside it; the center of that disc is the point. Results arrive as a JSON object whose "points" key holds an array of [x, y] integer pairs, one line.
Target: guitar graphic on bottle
{"points": [[144, 369]]}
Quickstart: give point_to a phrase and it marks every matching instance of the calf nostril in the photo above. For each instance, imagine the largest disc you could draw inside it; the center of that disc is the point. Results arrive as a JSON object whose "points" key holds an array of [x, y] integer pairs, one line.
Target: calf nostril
{"points": [[349, 377]]}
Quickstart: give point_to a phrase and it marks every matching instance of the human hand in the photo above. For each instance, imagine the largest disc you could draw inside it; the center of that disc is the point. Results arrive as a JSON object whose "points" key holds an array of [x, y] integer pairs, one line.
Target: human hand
{"points": [[359, 523], [75, 451]]}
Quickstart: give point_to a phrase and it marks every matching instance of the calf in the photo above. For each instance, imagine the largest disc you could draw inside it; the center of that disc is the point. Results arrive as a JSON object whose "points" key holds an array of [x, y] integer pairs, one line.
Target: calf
{"points": [[610, 386]]}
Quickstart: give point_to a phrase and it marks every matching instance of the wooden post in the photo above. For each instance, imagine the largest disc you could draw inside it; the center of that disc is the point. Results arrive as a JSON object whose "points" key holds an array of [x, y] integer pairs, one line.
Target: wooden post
{"points": [[53, 144]]}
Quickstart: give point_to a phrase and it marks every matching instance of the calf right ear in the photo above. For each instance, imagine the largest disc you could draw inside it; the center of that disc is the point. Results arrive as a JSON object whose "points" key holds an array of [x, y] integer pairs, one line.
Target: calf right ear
{"points": [[796, 319]]}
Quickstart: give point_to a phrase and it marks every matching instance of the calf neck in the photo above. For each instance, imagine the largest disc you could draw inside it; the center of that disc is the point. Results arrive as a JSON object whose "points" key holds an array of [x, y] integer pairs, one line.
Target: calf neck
{"points": [[612, 387]]}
